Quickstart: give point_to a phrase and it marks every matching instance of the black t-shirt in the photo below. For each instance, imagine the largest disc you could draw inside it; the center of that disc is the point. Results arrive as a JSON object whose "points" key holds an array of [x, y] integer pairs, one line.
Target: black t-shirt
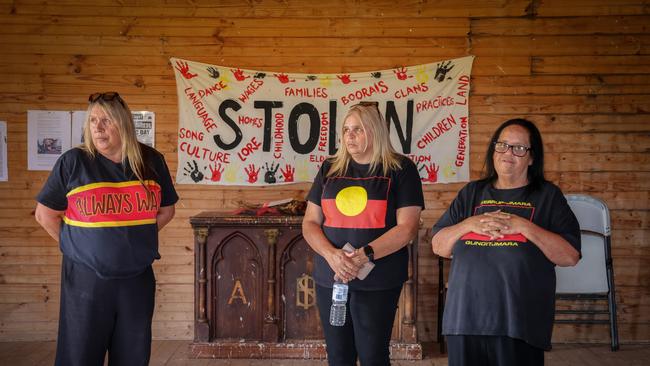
{"points": [[109, 221], [360, 207], [505, 287]]}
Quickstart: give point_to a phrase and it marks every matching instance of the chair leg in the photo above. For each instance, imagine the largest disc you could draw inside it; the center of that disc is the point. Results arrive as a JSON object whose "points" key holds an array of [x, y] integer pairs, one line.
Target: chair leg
{"points": [[441, 303], [613, 324], [440, 337], [611, 297]]}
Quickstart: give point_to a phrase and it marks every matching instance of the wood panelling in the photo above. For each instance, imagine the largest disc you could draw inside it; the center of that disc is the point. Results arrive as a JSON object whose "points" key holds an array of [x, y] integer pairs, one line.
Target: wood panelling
{"points": [[579, 68]]}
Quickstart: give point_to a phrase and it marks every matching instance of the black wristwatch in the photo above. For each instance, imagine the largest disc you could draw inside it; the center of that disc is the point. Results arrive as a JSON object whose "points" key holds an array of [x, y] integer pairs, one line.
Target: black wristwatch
{"points": [[367, 250]]}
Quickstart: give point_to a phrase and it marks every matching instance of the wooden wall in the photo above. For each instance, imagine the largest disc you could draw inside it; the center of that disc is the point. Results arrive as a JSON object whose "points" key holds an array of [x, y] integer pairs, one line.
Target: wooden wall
{"points": [[579, 68]]}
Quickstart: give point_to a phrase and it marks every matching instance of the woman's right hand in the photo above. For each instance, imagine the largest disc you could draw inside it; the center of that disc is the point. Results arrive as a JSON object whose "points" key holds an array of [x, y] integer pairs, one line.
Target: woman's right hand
{"points": [[345, 268], [489, 223]]}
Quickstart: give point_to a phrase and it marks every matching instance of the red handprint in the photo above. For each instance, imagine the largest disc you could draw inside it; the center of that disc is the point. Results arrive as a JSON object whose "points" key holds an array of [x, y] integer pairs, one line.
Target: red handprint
{"points": [[288, 173], [252, 173], [184, 69], [239, 74], [432, 172], [345, 79], [284, 78], [401, 73], [216, 172]]}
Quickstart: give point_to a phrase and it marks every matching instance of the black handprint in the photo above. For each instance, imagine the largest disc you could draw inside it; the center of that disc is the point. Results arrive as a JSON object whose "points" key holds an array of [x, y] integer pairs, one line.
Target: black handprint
{"points": [[214, 73], [259, 75], [194, 172], [376, 75], [269, 176], [311, 77], [441, 71]]}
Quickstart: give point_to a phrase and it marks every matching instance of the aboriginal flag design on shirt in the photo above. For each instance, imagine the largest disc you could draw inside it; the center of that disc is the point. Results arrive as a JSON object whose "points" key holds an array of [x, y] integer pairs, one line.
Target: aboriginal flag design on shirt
{"points": [[355, 203]]}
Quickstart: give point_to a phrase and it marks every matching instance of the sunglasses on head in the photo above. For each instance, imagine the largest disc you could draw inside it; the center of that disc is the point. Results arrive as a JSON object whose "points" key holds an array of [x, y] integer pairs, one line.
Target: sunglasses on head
{"points": [[107, 97]]}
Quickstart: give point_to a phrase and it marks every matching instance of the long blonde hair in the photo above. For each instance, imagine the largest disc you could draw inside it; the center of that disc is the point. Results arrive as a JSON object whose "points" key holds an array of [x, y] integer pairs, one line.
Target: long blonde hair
{"points": [[374, 125], [120, 114]]}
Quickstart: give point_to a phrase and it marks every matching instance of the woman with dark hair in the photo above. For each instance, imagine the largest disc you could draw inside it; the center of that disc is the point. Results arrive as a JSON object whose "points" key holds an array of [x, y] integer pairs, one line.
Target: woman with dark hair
{"points": [[505, 234], [104, 202]]}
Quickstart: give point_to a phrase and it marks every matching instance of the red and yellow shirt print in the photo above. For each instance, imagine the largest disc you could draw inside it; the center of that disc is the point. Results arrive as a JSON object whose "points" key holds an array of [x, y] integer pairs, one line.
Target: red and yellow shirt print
{"points": [[522, 209], [355, 203], [107, 204]]}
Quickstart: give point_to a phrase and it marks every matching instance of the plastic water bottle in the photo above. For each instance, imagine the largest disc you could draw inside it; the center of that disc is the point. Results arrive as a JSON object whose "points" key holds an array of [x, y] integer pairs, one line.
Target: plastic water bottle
{"points": [[339, 301]]}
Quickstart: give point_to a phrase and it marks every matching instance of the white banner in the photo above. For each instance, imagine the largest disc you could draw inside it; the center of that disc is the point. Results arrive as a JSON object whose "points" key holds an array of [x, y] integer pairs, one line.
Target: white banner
{"points": [[245, 127]]}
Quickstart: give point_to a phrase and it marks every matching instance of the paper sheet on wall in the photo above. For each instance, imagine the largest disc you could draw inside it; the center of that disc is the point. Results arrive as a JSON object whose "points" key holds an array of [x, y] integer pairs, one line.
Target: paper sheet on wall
{"points": [[144, 121], [3, 152], [78, 119], [145, 126], [48, 136]]}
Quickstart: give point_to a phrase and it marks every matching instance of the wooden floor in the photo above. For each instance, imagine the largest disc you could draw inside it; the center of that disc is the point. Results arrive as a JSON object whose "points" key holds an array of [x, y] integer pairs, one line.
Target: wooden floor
{"points": [[175, 353]]}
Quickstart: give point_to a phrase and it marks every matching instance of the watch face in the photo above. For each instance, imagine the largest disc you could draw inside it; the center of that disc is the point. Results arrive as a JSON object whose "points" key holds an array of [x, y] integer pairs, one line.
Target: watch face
{"points": [[369, 252]]}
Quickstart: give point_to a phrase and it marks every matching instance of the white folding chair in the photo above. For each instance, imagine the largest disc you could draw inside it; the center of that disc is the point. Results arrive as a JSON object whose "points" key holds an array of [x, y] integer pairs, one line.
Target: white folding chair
{"points": [[593, 277]]}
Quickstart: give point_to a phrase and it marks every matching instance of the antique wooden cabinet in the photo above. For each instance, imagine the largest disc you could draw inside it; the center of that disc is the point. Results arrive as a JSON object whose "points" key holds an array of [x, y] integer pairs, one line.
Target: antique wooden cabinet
{"points": [[255, 297]]}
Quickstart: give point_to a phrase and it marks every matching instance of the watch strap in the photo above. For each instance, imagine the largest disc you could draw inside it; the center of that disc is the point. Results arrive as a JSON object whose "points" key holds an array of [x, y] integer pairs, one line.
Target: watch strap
{"points": [[369, 252]]}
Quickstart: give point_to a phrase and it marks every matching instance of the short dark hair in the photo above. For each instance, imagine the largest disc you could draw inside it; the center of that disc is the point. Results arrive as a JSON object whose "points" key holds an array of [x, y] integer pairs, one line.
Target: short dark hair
{"points": [[536, 170]]}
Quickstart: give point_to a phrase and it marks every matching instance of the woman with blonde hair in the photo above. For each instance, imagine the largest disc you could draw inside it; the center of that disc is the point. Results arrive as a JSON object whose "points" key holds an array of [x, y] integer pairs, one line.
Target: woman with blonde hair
{"points": [[370, 196], [104, 202]]}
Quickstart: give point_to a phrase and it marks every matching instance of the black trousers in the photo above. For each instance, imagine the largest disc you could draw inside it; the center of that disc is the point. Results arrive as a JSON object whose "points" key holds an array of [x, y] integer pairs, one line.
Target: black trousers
{"points": [[99, 315], [470, 350], [368, 326]]}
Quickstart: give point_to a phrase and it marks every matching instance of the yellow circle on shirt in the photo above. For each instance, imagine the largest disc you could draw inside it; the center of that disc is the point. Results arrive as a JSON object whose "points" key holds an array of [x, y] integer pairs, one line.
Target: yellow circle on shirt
{"points": [[351, 201]]}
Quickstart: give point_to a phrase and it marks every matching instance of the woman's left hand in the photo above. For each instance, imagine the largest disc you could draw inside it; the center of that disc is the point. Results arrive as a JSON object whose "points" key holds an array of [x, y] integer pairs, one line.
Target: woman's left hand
{"points": [[358, 256], [505, 223]]}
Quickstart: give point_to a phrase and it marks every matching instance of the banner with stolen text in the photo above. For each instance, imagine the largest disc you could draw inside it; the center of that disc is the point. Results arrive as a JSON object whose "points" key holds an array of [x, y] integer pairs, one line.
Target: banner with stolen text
{"points": [[247, 127]]}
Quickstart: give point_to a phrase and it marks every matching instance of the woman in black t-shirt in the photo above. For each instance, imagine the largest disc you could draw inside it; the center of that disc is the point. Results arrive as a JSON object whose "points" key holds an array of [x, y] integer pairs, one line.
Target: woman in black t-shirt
{"points": [[371, 197], [505, 233], [104, 202]]}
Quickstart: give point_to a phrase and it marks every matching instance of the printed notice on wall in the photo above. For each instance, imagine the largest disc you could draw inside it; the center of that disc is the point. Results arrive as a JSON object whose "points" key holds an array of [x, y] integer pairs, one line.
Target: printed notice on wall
{"points": [[51, 133], [3, 152], [48, 136], [145, 123], [78, 119]]}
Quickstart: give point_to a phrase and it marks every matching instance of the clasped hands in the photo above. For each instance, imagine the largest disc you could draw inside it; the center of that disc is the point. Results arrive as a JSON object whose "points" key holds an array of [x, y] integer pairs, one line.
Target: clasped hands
{"points": [[496, 224], [346, 265]]}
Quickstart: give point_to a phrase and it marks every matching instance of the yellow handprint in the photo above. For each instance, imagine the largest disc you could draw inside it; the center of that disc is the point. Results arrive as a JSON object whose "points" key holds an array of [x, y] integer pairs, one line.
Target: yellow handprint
{"points": [[325, 81], [448, 171], [304, 171], [421, 74], [225, 80], [230, 174]]}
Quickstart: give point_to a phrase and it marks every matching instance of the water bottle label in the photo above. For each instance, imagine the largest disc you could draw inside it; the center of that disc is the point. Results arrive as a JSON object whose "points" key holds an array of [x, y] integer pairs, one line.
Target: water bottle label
{"points": [[340, 292], [337, 315]]}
